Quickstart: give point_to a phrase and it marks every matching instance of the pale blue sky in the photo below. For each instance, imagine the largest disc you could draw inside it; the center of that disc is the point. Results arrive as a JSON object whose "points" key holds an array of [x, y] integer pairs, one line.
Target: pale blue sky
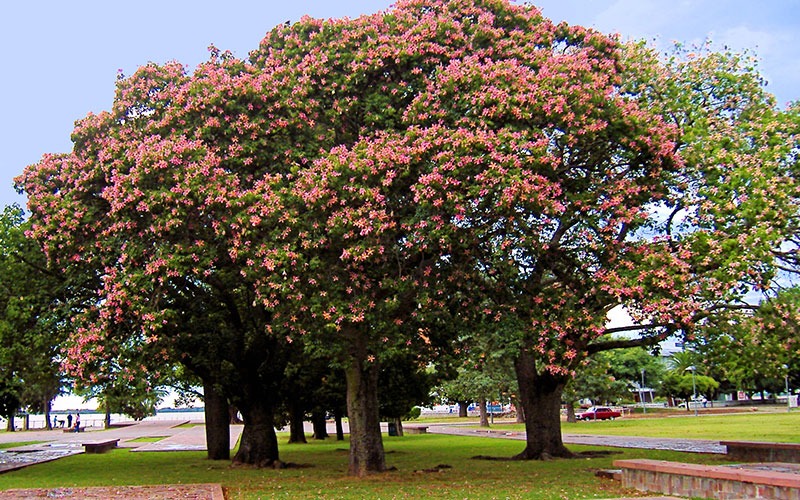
{"points": [[61, 58]]}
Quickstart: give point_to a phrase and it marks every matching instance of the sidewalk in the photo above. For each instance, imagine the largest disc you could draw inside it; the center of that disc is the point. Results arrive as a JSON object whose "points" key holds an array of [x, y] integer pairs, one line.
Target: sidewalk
{"points": [[188, 439], [57, 444]]}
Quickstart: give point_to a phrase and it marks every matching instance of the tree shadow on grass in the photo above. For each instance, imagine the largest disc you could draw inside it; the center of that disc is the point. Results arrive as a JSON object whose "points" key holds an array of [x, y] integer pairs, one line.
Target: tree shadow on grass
{"points": [[583, 454]]}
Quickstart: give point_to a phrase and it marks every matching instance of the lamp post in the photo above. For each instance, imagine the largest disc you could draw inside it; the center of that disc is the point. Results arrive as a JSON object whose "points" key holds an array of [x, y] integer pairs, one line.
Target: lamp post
{"points": [[694, 389], [788, 395], [641, 395]]}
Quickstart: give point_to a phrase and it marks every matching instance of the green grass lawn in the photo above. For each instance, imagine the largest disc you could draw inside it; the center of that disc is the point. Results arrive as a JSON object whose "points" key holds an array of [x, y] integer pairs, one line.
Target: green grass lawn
{"points": [[323, 474], [146, 439], [777, 427], [4, 446]]}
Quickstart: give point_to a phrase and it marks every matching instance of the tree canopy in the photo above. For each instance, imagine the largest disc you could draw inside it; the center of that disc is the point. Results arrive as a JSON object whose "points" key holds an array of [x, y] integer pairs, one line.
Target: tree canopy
{"points": [[31, 321]]}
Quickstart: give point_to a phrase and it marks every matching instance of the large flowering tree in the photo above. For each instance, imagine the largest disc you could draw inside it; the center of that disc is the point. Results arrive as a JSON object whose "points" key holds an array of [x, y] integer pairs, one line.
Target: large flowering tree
{"points": [[601, 176], [144, 204], [685, 222]]}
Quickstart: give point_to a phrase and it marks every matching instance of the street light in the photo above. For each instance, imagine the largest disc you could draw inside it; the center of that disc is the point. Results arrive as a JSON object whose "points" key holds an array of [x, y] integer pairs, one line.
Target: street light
{"points": [[788, 395], [694, 389], [641, 395]]}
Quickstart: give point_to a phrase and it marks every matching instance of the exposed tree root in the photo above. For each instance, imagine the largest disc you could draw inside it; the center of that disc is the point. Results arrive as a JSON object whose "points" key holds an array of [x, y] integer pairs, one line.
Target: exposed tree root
{"points": [[495, 459], [438, 468], [598, 453], [545, 455]]}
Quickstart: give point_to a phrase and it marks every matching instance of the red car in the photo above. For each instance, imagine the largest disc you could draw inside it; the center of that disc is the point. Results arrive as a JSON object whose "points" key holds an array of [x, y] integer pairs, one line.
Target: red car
{"points": [[598, 413]]}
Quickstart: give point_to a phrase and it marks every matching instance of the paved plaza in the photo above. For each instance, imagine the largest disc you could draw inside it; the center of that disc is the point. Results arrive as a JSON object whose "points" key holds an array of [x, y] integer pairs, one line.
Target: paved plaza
{"points": [[177, 436]]}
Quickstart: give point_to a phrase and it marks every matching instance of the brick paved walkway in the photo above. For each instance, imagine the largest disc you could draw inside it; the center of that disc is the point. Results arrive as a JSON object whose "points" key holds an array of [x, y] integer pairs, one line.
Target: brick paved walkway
{"points": [[158, 492]]}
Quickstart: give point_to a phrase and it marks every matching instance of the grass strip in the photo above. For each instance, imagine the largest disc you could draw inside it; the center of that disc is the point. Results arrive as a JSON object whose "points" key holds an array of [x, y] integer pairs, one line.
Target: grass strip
{"points": [[773, 427], [146, 439], [5, 446]]}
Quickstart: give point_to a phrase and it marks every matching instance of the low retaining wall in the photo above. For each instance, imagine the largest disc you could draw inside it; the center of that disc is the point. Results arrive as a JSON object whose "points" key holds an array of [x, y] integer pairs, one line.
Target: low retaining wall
{"points": [[707, 481], [754, 451]]}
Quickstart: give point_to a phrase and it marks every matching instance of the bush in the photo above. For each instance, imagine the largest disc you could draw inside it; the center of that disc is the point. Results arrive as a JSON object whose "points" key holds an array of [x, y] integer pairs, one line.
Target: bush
{"points": [[413, 414]]}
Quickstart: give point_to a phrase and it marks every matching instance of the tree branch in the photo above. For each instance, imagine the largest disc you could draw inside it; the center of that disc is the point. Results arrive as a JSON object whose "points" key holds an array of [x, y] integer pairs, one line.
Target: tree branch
{"points": [[627, 343], [651, 340]]}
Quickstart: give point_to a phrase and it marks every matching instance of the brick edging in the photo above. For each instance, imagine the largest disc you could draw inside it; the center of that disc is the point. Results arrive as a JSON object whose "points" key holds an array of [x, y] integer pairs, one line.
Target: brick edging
{"points": [[762, 445], [772, 478]]}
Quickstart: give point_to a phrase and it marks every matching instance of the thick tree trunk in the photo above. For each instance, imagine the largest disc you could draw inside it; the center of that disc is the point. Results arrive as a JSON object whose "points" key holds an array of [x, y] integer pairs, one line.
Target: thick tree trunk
{"points": [[48, 421], [107, 419], [296, 417], [398, 425], [463, 408], [484, 414], [571, 412], [337, 417], [218, 432], [259, 444], [233, 415], [520, 411], [540, 396], [366, 444], [10, 422], [320, 425]]}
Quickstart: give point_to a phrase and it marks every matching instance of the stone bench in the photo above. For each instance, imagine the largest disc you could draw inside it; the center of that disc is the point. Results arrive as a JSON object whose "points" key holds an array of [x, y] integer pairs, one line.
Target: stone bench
{"points": [[707, 481], [415, 429], [100, 446], [756, 451]]}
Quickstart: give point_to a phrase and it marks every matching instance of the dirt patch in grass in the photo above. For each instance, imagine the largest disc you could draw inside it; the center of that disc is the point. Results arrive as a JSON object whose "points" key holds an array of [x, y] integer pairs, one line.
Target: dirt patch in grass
{"points": [[157, 492]]}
